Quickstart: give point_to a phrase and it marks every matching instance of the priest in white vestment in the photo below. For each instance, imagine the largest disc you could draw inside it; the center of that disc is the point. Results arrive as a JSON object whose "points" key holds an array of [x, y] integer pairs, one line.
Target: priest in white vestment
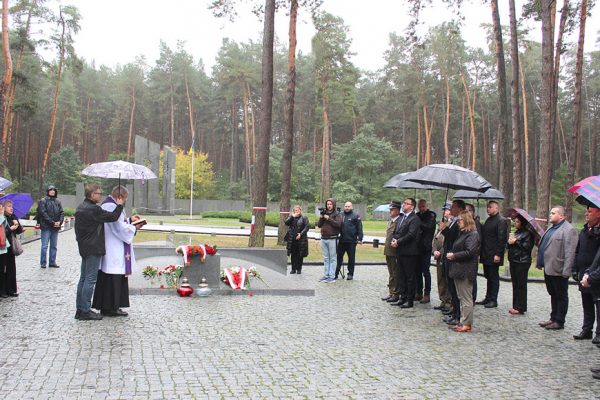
{"points": [[112, 288]]}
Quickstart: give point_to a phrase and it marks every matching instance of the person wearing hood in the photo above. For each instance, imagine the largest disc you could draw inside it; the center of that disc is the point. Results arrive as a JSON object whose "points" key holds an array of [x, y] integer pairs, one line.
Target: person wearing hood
{"points": [[50, 218], [330, 223], [351, 234]]}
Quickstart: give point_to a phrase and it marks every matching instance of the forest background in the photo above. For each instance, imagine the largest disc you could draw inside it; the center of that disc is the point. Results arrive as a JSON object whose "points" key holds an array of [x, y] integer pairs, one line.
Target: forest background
{"points": [[435, 100]]}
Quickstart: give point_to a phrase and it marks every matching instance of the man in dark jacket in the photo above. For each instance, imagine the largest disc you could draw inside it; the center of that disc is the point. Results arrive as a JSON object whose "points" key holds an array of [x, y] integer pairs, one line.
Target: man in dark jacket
{"points": [[330, 223], [591, 280], [450, 230], [587, 247], [406, 241], [493, 243], [350, 234], [427, 218], [50, 217], [89, 233]]}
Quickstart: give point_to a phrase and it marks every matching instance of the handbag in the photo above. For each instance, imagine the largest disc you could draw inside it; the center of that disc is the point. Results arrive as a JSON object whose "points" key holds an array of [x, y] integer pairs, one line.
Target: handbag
{"points": [[17, 247], [2, 237]]}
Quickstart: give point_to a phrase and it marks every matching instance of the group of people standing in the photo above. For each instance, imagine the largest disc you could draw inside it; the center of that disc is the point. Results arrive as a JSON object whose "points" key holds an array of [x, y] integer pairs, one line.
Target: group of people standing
{"points": [[341, 232], [104, 236]]}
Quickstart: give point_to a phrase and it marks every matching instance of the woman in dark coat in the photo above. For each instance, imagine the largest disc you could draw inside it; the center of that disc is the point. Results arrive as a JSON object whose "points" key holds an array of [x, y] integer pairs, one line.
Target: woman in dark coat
{"points": [[520, 245], [297, 239], [12, 227], [465, 260]]}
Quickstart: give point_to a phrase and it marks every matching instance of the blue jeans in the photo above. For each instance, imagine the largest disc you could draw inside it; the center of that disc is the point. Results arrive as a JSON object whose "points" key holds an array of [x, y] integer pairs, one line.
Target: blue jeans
{"points": [[49, 235], [329, 248], [87, 280]]}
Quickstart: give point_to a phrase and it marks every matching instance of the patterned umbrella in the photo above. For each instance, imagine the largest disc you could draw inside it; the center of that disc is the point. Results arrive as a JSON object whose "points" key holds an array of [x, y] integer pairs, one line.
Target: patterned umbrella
{"points": [[588, 190], [22, 203], [532, 224], [119, 169], [4, 184]]}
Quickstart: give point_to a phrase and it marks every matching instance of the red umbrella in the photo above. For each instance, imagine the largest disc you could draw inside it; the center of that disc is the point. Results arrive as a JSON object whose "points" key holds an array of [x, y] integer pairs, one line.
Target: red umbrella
{"points": [[532, 224]]}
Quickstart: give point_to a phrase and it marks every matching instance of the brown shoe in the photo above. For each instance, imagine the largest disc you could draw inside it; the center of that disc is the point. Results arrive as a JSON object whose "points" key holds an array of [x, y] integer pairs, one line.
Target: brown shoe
{"points": [[544, 324], [462, 328], [425, 299], [554, 326], [419, 297]]}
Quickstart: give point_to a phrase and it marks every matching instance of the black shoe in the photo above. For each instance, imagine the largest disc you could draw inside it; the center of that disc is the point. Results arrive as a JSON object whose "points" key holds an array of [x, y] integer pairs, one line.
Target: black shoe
{"points": [[400, 302], [596, 339], [491, 304], [482, 302], [53, 266], [292, 272], [393, 299], [4, 295], [452, 321], [386, 298], [595, 370], [350, 277], [42, 265], [13, 295], [447, 312], [440, 307], [407, 305], [78, 314], [583, 335], [89, 316], [298, 272], [121, 313], [596, 375]]}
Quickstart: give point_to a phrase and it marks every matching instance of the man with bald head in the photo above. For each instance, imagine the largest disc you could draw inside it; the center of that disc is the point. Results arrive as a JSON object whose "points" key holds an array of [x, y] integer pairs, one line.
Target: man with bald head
{"points": [[350, 234], [556, 256]]}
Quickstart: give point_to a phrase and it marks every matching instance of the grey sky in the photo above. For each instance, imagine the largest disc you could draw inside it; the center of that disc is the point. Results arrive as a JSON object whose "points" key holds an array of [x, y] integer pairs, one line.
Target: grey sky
{"points": [[116, 31]]}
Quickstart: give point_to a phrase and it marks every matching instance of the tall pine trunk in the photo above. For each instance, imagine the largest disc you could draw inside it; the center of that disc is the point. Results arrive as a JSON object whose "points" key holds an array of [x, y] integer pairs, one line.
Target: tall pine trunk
{"points": [[547, 132], [515, 114], [61, 61], [259, 197], [288, 146], [577, 111], [8, 69], [503, 100]]}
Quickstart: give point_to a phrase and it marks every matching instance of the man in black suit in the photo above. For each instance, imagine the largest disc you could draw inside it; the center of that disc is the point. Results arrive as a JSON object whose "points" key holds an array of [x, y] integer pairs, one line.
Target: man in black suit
{"points": [[450, 230], [406, 241], [427, 218], [493, 243]]}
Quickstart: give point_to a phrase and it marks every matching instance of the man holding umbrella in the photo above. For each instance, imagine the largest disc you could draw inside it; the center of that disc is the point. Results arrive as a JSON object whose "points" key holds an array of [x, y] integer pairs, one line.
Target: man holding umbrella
{"points": [[587, 247], [89, 233]]}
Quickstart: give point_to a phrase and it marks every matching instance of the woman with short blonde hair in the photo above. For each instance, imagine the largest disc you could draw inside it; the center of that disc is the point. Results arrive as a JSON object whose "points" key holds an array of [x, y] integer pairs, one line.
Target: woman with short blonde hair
{"points": [[297, 238], [465, 260]]}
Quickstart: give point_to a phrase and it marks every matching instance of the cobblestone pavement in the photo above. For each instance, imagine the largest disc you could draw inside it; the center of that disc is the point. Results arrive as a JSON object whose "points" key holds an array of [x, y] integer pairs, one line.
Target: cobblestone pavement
{"points": [[342, 343]]}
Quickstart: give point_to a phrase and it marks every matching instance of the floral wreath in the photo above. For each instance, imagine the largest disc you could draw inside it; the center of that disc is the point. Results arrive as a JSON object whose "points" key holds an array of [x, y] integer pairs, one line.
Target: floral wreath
{"points": [[240, 277], [202, 250]]}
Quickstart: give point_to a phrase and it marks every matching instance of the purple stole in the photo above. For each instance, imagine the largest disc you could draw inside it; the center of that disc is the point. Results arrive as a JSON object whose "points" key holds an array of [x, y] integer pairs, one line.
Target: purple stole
{"points": [[126, 246]]}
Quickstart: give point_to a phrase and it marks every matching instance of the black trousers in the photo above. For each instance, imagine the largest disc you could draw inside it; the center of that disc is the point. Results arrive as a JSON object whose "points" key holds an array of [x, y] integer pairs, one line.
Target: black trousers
{"points": [[350, 249], [407, 268], [591, 312], [10, 273], [424, 273], [296, 258], [493, 281], [558, 289], [518, 276], [3, 283]]}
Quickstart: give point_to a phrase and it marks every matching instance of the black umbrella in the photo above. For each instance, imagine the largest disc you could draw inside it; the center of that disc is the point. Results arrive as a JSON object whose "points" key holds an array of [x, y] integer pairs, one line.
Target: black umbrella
{"points": [[450, 176], [400, 182], [490, 194]]}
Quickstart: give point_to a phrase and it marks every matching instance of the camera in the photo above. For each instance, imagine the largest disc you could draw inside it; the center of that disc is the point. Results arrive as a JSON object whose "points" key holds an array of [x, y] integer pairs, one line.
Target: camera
{"points": [[322, 210]]}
